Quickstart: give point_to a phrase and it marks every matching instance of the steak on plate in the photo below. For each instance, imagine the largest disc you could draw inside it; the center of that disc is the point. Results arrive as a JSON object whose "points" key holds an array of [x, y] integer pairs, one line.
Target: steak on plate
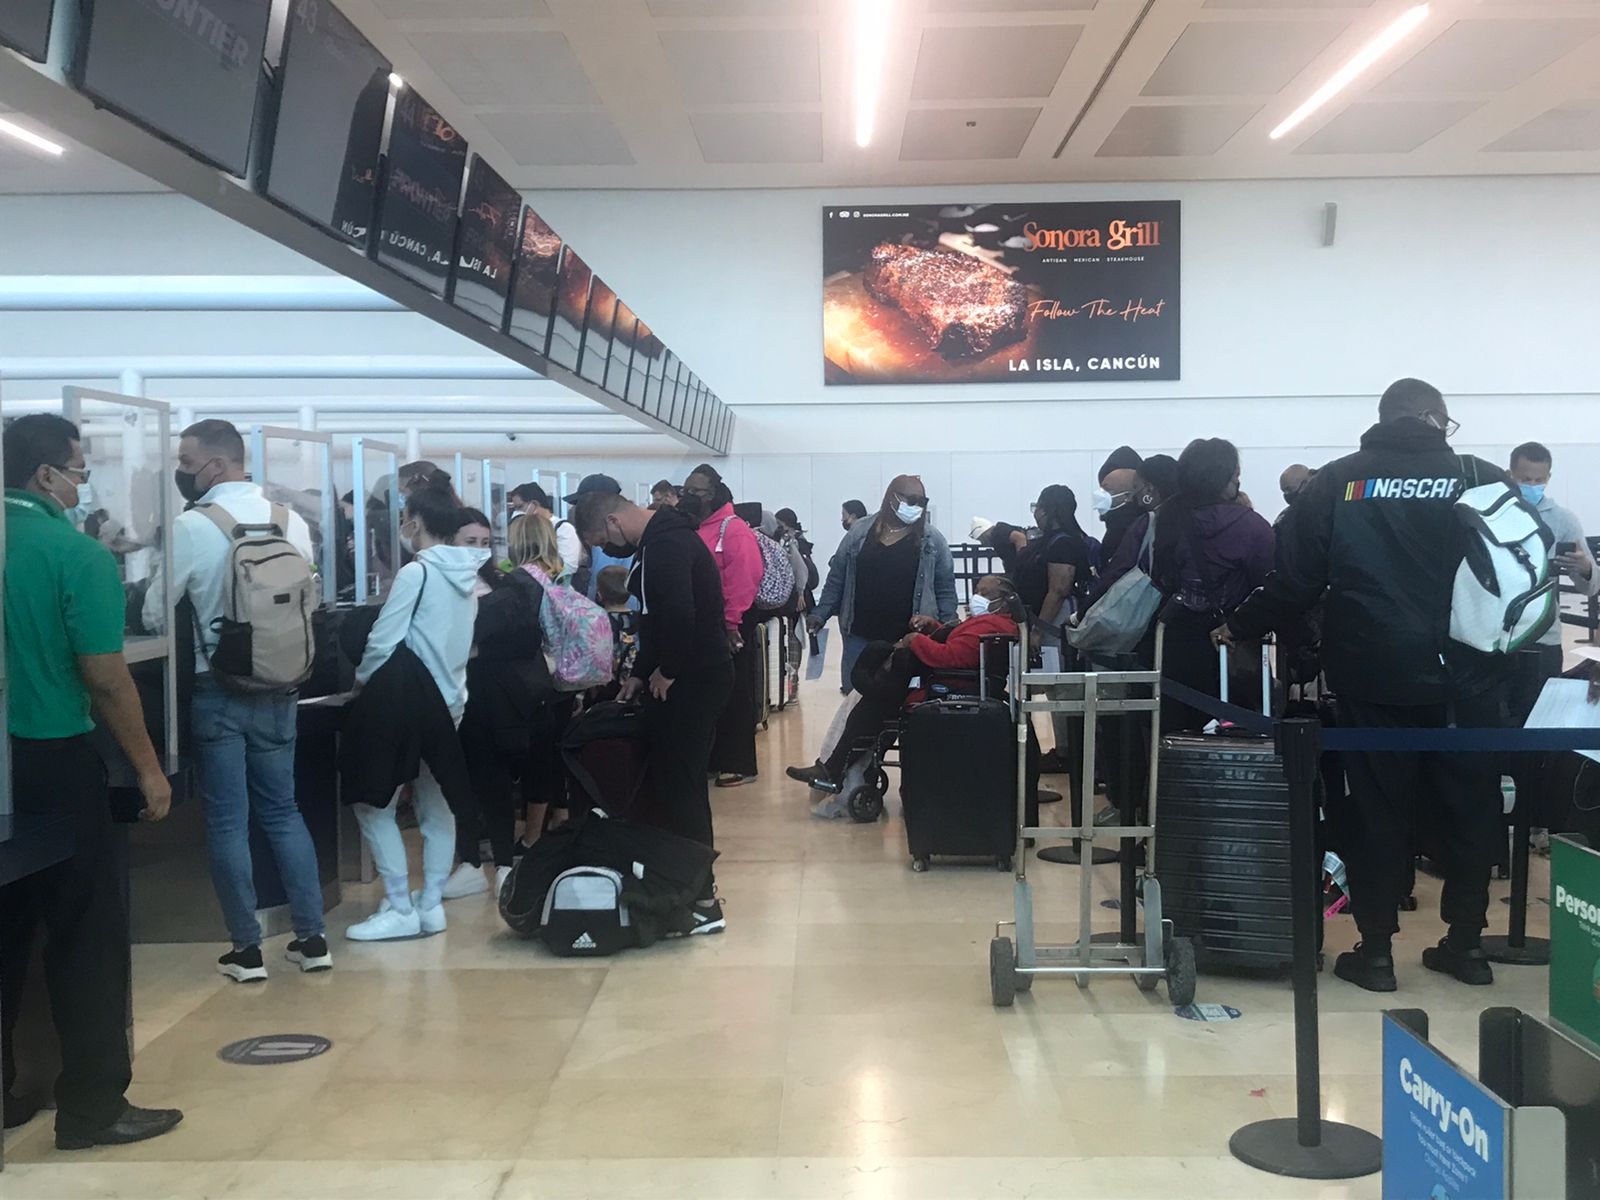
{"points": [[964, 307]]}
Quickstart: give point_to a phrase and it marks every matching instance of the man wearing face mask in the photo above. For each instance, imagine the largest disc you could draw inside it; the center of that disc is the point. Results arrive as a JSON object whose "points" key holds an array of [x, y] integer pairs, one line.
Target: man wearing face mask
{"points": [[683, 665], [244, 743], [1114, 498]]}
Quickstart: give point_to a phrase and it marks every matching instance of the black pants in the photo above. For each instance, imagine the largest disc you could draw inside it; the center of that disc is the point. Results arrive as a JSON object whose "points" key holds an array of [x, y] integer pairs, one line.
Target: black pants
{"points": [[1535, 667], [734, 750], [867, 719], [81, 906], [1459, 798], [495, 770], [679, 732]]}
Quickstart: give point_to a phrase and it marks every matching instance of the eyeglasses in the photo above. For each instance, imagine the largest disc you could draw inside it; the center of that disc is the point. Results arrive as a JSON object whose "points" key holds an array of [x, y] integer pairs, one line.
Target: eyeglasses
{"points": [[918, 501], [1442, 422], [82, 473]]}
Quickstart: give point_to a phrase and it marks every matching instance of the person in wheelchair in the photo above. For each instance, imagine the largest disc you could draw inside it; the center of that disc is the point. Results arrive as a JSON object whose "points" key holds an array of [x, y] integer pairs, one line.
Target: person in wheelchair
{"points": [[942, 659]]}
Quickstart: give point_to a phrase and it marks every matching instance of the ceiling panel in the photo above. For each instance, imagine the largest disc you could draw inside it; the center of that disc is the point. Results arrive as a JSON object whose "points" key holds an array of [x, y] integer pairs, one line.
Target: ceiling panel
{"points": [[433, 10], [580, 138], [1386, 126], [1241, 58], [759, 137], [954, 133], [1167, 130], [1007, 63], [507, 69], [1280, 5], [1482, 56], [729, 8], [745, 66], [1574, 126], [1009, 6]]}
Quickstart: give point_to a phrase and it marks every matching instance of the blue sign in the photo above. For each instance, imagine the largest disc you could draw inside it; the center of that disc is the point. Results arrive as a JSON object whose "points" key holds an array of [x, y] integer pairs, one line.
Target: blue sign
{"points": [[1445, 1136]]}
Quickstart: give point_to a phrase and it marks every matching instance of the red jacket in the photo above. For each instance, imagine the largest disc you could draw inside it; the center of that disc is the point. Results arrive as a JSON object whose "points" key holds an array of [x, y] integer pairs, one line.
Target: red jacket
{"points": [[739, 562], [955, 647]]}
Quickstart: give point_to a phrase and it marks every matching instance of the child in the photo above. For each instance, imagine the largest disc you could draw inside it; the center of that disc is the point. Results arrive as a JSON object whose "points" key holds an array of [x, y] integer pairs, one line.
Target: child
{"points": [[611, 590]]}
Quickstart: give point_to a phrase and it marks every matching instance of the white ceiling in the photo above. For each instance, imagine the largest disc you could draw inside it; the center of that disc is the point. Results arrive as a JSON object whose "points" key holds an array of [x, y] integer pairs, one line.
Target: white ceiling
{"points": [[756, 93]]}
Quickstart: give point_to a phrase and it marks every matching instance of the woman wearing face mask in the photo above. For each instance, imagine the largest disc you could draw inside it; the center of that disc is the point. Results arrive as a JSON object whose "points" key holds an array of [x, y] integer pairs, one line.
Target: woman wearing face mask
{"points": [[708, 500], [1209, 553], [887, 570], [508, 683], [413, 676]]}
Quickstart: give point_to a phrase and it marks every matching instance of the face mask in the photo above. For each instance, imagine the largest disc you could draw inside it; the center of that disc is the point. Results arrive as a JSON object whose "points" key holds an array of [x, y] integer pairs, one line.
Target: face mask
{"points": [[845, 525], [692, 506], [622, 549], [910, 514], [1532, 492], [1105, 502], [407, 541], [188, 485], [978, 605]]}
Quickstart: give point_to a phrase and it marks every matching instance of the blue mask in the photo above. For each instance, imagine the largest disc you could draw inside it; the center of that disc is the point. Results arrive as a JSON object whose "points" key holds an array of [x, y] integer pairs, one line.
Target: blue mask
{"points": [[1532, 492]]}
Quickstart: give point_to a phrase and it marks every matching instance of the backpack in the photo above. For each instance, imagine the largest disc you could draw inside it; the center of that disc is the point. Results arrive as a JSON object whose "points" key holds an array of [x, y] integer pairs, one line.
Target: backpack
{"points": [[585, 915], [1504, 596], [1117, 622], [264, 635], [777, 572], [577, 636]]}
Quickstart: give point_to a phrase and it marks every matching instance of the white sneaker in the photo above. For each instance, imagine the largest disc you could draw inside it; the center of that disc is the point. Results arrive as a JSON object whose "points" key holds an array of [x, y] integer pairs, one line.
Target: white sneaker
{"points": [[501, 874], [386, 925], [432, 919], [465, 880]]}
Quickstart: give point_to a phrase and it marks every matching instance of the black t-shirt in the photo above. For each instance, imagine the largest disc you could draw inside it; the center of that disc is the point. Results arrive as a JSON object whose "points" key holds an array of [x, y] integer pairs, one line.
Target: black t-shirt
{"points": [[1033, 568], [886, 582]]}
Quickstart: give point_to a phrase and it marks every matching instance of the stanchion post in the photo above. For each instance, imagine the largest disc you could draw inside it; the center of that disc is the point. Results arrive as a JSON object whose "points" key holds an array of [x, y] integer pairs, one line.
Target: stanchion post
{"points": [[1517, 948], [1305, 1146]]}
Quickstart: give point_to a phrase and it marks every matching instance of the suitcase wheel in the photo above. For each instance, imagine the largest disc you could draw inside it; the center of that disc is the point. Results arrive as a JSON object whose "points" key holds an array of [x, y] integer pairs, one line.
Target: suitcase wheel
{"points": [[1181, 972], [1002, 862], [866, 804], [920, 863], [1002, 972]]}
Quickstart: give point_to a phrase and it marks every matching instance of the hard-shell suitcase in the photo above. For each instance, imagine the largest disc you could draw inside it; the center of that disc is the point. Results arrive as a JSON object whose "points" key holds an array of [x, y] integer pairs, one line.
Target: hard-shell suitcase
{"points": [[958, 780], [1222, 850], [604, 753]]}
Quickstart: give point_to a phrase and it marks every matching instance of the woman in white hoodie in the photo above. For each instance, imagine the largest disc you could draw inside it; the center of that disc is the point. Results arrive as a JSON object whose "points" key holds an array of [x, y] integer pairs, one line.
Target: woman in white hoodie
{"points": [[431, 609]]}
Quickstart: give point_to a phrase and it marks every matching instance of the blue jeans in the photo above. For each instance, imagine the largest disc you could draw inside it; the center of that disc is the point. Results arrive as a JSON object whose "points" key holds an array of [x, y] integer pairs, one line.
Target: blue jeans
{"points": [[853, 646], [244, 754]]}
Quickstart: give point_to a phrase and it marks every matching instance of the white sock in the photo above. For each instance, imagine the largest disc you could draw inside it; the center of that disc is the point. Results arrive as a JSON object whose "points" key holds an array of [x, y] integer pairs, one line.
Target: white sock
{"points": [[398, 889], [432, 894]]}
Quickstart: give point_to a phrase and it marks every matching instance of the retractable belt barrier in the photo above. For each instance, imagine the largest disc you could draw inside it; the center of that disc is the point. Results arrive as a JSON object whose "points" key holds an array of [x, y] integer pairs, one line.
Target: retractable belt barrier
{"points": [[1437, 741]]}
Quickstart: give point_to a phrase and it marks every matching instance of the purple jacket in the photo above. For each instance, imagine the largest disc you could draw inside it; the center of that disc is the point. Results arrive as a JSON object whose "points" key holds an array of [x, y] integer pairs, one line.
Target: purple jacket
{"points": [[1234, 546]]}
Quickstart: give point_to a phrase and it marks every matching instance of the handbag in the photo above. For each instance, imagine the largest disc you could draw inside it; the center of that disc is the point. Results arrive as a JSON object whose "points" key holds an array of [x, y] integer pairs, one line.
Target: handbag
{"points": [[1118, 621]]}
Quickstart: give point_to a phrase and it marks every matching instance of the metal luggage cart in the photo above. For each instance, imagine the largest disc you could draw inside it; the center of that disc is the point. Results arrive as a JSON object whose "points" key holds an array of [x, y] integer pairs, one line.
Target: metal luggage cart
{"points": [[1155, 955]]}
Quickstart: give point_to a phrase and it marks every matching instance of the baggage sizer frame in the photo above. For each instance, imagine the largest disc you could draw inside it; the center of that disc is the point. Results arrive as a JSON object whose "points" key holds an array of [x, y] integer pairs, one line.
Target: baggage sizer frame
{"points": [[1149, 958]]}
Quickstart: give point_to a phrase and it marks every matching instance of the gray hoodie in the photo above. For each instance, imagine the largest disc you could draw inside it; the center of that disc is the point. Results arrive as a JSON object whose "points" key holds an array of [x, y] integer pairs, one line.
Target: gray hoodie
{"points": [[431, 608]]}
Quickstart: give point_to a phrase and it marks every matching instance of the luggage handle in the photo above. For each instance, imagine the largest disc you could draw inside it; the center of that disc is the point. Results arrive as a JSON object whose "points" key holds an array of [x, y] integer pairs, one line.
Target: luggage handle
{"points": [[1266, 676]]}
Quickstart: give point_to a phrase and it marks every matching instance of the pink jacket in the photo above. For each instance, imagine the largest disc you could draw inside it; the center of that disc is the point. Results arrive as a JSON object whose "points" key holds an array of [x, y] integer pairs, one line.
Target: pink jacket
{"points": [[739, 560]]}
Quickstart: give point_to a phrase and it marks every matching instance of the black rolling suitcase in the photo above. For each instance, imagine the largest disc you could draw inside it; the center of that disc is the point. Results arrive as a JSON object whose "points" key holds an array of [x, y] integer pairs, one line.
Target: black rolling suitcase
{"points": [[958, 780], [1222, 843]]}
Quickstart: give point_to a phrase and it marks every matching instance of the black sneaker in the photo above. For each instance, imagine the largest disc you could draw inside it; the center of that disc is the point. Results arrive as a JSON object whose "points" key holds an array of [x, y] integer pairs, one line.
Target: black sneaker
{"points": [[702, 919], [243, 966], [310, 953], [1375, 972], [814, 776], [1469, 966]]}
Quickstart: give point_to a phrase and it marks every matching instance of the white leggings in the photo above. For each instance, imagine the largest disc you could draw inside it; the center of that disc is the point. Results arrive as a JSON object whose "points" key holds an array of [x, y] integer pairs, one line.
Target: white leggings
{"points": [[381, 831]]}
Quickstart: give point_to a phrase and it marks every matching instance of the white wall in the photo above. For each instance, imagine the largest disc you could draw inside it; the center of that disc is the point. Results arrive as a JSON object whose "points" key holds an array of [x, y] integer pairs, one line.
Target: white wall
{"points": [[1486, 287]]}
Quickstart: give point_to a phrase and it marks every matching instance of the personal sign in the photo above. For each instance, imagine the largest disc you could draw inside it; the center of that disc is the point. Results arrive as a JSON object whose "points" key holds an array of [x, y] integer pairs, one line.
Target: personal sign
{"points": [[1445, 1135], [1575, 940]]}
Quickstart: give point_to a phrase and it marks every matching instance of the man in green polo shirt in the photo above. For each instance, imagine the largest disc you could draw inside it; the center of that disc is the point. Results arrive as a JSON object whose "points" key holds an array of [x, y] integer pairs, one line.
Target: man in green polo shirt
{"points": [[63, 635]]}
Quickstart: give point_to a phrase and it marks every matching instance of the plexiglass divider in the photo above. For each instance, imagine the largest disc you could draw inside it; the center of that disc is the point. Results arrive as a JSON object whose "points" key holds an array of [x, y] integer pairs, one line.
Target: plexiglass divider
{"points": [[295, 468], [129, 509], [494, 502], [375, 489]]}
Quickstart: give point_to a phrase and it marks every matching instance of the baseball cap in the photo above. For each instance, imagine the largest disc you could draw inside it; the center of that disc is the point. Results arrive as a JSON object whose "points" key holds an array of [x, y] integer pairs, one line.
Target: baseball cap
{"points": [[595, 484]]}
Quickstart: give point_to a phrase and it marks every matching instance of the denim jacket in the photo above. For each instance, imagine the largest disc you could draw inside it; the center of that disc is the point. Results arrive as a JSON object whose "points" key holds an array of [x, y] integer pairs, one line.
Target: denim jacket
{"points": [[936, 578]]}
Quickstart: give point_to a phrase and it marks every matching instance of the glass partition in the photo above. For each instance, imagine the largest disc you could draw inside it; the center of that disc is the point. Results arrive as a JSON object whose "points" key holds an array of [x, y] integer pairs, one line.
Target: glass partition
{"points": [[494, 502], [375, 528], [128, 506], [295, 468]]}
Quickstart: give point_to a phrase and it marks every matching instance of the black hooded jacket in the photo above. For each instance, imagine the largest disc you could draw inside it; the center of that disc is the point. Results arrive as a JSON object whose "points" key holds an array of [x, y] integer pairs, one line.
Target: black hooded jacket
{"points": [[1377, 532]]}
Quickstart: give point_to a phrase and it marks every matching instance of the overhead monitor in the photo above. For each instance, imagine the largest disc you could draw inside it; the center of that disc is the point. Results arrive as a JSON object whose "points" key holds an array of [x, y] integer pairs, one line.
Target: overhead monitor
{"points": [[25, 27], [644, 376], [333, 93], [486, 244], [186, 71], [596, 354], [421, 193], [572, 303], [624, 330], [534, 281]]}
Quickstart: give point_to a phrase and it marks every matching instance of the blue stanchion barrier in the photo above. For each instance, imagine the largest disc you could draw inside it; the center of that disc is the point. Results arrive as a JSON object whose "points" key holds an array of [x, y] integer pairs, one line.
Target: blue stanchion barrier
{"points": [[1435, 741]]}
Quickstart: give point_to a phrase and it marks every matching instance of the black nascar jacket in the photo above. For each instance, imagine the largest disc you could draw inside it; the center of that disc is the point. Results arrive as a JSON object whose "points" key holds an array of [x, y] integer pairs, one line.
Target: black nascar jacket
{"points": [[1377, 533]]}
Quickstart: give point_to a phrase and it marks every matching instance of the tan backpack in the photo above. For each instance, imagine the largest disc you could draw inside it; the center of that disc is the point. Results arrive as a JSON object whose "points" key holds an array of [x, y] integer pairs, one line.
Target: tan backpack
{"points": [[264, 637]]}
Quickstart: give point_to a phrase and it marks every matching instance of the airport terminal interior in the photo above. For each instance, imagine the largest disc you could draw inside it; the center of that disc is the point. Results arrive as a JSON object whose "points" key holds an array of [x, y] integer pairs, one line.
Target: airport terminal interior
{"points": [[1019, 279]]}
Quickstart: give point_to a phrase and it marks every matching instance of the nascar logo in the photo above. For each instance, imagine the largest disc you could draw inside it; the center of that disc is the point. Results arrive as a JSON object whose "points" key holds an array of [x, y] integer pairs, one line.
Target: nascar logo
{"points": [[1402, 489]]}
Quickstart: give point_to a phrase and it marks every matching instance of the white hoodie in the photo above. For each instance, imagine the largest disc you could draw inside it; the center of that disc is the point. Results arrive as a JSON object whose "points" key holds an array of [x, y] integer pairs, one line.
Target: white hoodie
{"points": [[441, 632]]}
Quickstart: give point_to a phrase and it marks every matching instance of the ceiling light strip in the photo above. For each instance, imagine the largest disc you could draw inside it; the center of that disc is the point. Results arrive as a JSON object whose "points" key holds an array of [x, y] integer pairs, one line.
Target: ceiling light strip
{"points": [[1105, 77], [12, 129], [871, 26], [1386, 41]]}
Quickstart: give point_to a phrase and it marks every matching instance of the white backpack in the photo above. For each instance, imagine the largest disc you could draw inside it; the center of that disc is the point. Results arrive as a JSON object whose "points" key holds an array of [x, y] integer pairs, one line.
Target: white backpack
{"points": [[264, 635], [1505, 594]]}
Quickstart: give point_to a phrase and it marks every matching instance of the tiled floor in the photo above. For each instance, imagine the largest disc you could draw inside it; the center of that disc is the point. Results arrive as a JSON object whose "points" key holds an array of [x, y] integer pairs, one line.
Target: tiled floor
{"points": [[838, 1041]]}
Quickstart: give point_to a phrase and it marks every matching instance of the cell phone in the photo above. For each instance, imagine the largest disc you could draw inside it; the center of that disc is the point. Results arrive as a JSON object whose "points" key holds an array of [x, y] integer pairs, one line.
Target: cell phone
{"points": [[1566, 548]]}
